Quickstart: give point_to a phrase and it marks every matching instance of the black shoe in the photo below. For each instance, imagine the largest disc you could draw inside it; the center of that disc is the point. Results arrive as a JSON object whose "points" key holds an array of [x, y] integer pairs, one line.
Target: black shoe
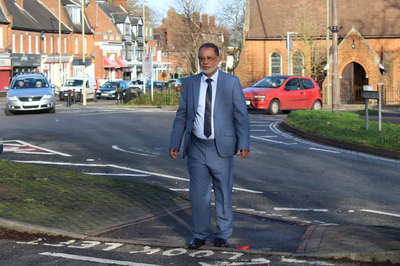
{"points": [[196, 243], [220, 242]]}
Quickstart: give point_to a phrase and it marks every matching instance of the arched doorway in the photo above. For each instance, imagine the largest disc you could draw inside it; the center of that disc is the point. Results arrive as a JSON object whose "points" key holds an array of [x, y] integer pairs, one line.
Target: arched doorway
{"points": [[351, 83]]}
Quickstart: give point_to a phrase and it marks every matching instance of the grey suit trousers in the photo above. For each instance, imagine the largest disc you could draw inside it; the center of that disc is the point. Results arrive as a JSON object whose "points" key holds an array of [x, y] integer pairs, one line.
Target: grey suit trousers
{"points": [[207, 168]]}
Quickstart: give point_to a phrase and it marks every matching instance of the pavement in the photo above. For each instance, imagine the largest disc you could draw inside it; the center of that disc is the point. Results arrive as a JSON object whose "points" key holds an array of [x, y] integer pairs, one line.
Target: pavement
{"points": [[152, 216]]}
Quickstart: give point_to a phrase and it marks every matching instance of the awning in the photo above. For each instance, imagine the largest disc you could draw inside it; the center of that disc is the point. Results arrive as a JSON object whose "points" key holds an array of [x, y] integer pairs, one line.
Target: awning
{"points": [[109, 64], [121, 62]]}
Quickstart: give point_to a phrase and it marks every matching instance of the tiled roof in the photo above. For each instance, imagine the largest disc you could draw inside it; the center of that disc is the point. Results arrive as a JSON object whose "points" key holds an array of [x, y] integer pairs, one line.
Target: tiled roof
{"points": [[271, 18], [120, 18], [108, 10], [22, 20], [3, 18], [44, 17]]}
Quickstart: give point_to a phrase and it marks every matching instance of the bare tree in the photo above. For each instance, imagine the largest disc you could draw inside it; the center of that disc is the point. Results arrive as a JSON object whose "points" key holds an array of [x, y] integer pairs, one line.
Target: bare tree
{"points": [[186, 32], [232, 16], [307, 41]]}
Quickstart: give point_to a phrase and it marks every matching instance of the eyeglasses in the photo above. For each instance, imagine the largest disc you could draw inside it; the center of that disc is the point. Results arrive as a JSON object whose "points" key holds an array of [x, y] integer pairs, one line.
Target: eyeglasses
{"points": [[209, 58]]}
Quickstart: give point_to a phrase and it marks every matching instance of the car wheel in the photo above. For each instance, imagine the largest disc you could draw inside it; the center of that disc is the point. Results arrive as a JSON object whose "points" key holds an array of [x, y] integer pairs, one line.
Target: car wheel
{"points": [[52, 110], [286, 111], [273, 108], [8, 113], [316, 105]]}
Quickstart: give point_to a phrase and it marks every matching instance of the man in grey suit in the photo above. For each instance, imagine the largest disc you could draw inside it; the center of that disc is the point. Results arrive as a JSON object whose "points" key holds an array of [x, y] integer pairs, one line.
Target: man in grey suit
{"points": [[213, 116]]}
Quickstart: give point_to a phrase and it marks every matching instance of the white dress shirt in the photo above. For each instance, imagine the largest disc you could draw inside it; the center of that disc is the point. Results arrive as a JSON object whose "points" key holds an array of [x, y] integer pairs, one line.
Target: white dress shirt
{"points": [[198, 127]]}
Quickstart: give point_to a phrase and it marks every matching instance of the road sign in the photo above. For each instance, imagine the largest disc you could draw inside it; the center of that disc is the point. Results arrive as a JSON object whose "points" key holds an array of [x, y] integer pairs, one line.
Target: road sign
{"points": [[370, 94], [147, 61]]}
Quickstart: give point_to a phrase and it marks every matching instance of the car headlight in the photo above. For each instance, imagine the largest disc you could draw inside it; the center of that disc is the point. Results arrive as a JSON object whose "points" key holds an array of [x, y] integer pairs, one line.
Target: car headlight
{"points": [[47, 96], [13, 98], [259, 96]]}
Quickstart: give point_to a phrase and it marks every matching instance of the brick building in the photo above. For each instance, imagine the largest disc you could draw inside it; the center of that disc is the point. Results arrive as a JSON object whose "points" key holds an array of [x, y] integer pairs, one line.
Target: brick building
{"points": [[368, 50]]}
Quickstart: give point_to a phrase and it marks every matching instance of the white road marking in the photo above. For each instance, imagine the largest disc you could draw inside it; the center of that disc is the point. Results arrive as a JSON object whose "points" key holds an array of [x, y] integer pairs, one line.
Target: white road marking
{"points": [[258, 130], [379, 212], [179, 189], [23, 143], [324, 150], [267, 136], [128, 169], [137, 153], [113, 174], [280, 142], [93, 259], [304, 262], [299, 209]]}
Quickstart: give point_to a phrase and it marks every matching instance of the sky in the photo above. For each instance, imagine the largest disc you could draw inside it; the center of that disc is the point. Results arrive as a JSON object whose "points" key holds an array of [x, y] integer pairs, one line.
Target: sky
{"points": [[162, 6]]}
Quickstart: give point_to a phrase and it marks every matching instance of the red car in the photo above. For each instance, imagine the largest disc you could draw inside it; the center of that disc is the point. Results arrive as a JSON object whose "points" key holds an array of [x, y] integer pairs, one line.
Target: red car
{"points": [[284, 93]]}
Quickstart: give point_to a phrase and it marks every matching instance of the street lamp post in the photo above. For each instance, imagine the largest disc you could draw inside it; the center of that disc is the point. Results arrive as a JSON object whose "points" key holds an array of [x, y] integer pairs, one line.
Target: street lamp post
{"points": [[289, 48], [59, 40], [144, 28], [83, 55]]}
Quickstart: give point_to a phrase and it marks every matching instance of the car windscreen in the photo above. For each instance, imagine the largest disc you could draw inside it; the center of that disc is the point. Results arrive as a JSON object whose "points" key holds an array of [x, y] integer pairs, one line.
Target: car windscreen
{"points": [[29, 83], [136, 82], [109, 84], [73, 82], [270, 82]]}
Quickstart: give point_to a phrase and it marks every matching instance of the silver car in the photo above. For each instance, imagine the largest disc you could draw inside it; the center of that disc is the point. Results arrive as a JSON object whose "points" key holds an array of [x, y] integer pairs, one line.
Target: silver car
{"points": [[30, 92]]}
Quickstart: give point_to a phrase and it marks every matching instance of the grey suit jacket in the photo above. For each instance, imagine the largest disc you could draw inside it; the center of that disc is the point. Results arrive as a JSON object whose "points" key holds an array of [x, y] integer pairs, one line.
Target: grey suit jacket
{"points": [[231, 120]]}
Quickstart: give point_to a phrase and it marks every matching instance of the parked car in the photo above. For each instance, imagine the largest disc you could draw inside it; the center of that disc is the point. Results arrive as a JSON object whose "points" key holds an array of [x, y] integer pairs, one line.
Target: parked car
{"points": [[157, 85], [284, 93], [76, 83], [136, 84], [109, 89], [174, 84], [30, 92]]}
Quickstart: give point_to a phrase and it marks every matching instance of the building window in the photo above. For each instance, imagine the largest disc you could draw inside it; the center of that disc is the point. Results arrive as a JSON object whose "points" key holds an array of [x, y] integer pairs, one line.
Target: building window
{"points": [[44, 46], [75, 13], [37, 44], [85, 46], [1, 37], [51, 44], [13, 42], [65, 45], [29, 44], [152, 50], [105, 37], [276, 63], [21, 44], [76, 45], [297, 64], [111, 37], [58, 45]]}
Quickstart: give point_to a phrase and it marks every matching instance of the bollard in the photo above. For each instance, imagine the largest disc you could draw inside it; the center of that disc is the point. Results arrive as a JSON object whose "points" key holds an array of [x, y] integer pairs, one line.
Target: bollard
{"points": [[80, 96], [69, 99], [73, 96], [95, 95]]}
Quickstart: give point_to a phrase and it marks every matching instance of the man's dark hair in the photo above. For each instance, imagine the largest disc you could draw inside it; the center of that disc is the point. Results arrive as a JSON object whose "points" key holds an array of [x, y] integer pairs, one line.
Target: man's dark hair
{"points": [[210, 45]]}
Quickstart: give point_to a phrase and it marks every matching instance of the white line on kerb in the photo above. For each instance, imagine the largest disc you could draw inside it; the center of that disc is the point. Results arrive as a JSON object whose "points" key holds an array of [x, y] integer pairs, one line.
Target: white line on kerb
{"points": [[93, 259], [37, 147], [383, 213], [300, 209]]}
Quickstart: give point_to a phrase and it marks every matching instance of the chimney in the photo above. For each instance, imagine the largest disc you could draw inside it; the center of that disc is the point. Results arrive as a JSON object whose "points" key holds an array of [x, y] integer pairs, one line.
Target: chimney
{"points": [[212, 21], [20, 3], [120, 3], [171, 13], [204, 20]]}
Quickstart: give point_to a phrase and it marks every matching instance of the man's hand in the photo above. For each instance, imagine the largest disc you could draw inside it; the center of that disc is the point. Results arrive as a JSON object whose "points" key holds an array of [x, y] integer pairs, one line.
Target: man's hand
{"points": [[243, 153], [173, 153]]}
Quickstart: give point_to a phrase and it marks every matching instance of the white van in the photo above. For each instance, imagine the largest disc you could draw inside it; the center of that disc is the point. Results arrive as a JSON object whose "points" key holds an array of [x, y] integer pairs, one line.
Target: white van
{"points": [[75, 83]]}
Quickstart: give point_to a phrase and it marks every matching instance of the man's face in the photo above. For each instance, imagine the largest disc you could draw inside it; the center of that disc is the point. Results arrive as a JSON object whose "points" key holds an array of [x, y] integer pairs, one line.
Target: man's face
{"points": [[20, 83], [38, 84], [208, 61]]}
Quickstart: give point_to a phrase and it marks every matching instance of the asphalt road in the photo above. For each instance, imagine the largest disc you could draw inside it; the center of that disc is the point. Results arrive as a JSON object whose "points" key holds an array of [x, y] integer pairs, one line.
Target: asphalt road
{"points": [[284, 176]]}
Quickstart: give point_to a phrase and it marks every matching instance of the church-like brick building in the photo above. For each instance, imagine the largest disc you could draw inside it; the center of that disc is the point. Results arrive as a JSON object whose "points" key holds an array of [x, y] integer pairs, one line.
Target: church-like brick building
{"points": [[368, 48]]}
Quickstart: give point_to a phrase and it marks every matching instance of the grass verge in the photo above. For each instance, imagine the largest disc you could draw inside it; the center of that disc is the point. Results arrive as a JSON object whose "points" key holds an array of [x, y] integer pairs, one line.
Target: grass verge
{"points": [[346, 126]]}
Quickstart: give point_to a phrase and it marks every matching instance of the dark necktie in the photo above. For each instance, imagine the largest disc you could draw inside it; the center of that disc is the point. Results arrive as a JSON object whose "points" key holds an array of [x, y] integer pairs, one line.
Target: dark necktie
{"points": [[207, 112]]}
